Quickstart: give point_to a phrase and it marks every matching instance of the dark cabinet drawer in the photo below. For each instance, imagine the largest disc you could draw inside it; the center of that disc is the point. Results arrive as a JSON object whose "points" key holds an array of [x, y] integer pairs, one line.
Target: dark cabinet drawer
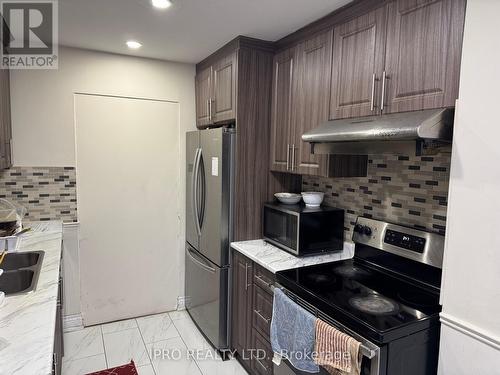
{"points": [[262, 356], [263, 279], [262, 311]]}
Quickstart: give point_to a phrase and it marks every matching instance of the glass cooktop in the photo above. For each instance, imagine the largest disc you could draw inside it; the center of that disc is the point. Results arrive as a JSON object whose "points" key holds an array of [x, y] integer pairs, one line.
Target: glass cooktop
{"points": [[354, 293]]}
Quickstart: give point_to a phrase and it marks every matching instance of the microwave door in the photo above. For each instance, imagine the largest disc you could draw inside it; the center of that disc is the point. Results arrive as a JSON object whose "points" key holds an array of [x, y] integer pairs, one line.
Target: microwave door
{"points": [[281, 229]]}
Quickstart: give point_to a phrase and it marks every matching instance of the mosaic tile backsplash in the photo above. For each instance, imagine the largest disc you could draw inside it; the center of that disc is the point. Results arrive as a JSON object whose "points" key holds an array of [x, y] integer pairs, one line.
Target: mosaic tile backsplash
{"points": [[406, 190], [48, 193]]}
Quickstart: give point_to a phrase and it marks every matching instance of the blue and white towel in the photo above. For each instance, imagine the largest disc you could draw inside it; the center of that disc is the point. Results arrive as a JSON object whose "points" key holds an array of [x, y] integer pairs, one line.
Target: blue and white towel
{"points": [[293, 333]]}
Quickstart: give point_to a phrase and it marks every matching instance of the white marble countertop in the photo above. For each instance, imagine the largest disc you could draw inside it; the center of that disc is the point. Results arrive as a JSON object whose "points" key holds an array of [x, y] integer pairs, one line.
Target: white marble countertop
{"points": [[274, 259], [27, 322]]}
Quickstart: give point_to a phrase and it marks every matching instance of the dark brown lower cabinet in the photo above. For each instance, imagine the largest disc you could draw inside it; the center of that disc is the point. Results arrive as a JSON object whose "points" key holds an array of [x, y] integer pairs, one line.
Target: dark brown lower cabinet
{"points": [[252, 296], [242, 288], [262, 363]]}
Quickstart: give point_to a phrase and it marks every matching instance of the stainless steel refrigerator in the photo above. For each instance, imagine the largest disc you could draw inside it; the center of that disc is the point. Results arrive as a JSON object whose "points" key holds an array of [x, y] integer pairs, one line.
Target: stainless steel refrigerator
{"points": [[209, 193]]}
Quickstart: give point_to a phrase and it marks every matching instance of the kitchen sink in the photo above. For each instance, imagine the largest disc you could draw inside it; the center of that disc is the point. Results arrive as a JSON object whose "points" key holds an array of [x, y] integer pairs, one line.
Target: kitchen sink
{"points": [[15, 261], [13, 282], [21, 271]]}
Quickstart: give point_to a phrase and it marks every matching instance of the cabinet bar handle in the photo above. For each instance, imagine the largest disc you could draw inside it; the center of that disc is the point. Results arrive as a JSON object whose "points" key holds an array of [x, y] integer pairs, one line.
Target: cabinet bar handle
{"points": [[372, 103], [210, 106], [208, 109], [267, 320], [382, 100], [288, 156], [293, 157], [246, 276], [260, 279], [266, 369]]}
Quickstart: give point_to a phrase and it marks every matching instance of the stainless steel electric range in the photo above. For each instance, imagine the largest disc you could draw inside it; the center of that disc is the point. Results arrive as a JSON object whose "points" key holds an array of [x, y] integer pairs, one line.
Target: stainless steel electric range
{"points": [[387, 296]]}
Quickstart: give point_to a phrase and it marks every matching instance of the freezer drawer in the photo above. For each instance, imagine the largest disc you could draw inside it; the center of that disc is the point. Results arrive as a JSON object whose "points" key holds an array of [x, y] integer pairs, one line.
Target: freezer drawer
{"points": [[207, 297]]}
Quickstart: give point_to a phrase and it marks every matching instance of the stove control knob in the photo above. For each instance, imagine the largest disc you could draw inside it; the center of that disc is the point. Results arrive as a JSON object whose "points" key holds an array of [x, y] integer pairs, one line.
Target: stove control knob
{"points": [[358, 228], [367, 231]]}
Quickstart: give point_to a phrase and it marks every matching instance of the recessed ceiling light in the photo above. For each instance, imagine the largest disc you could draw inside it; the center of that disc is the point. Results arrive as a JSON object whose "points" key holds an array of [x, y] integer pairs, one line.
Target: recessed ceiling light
{"points": [[132, 44], [161, 4]]}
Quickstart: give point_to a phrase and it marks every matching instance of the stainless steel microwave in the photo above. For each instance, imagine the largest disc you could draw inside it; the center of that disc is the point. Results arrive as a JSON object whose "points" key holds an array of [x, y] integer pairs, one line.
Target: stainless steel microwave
{"points": [[303, 231]]}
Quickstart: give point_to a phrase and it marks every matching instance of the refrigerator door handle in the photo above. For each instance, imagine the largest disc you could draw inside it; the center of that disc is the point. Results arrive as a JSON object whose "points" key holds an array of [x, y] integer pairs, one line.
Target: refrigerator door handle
{"points": [[195, 260], [203, 192], [194, 198]]}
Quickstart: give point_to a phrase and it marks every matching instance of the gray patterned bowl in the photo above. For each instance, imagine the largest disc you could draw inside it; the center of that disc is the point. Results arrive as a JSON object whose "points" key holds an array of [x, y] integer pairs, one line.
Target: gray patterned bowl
{"points": [[288, 198]]}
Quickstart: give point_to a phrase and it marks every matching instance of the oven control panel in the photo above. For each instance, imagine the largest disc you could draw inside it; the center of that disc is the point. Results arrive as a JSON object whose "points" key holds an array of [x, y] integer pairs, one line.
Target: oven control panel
{"points": [[421, 246], [404, 240]]}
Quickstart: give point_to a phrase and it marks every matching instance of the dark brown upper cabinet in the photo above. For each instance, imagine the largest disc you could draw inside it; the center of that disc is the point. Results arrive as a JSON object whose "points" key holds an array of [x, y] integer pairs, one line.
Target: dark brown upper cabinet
{"points": [[234, 88], [358, 63], [281, 134], [203, 84], [401, 57], [5, 120], [216, 92], [224, 89], [424, 42], [300, 102], [311, 98]]}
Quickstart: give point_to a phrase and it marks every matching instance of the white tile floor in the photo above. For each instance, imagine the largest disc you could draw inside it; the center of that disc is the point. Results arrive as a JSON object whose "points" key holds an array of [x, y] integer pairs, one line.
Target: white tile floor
{"points": [[171, 334]]}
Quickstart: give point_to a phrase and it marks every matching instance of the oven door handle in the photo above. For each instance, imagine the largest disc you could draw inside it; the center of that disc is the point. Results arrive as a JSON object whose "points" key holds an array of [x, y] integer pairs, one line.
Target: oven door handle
{"points": [[365, 350]]}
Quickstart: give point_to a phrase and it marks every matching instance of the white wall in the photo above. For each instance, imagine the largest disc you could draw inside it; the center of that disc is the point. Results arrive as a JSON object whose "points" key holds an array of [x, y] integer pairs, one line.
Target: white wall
{"points": [[42, 100], [471, 280], [43, 107]]}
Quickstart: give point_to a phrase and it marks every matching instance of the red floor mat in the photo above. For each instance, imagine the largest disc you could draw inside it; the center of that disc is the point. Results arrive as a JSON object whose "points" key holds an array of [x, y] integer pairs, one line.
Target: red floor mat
{"points": [[128, 369]]}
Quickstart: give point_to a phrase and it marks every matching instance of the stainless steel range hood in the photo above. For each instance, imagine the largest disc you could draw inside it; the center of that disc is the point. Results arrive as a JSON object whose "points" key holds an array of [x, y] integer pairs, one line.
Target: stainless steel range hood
{"points": [[420, 131]]}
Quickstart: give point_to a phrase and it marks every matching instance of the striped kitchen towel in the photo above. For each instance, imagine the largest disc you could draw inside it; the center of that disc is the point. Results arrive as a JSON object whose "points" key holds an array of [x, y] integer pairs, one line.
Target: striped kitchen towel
{"points": [[337, 352]]}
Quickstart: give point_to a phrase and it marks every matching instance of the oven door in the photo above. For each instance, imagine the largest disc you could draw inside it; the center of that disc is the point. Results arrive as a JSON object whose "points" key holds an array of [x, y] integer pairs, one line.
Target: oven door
{"points": [[373, 356], [281, 229]]}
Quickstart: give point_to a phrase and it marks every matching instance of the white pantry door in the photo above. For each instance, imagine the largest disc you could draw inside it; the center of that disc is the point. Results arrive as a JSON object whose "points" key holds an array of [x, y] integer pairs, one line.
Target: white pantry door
{"points": [[127, 163]]}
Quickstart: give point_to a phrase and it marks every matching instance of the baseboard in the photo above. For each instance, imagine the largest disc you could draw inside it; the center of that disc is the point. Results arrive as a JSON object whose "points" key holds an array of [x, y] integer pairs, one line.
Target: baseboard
{"points": [[181, 303], [72, 322], [469, 330]]}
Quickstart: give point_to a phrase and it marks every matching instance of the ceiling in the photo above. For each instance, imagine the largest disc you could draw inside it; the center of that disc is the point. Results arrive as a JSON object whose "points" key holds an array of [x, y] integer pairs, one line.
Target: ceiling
{"points": [[188, 31]]}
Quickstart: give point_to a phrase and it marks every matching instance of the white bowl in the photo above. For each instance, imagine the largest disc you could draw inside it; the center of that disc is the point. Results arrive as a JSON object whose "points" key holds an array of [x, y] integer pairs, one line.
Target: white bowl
{"points": [[288, 198], [312, 198]]}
